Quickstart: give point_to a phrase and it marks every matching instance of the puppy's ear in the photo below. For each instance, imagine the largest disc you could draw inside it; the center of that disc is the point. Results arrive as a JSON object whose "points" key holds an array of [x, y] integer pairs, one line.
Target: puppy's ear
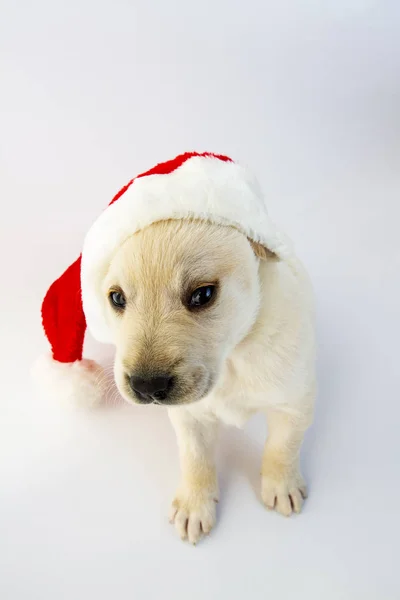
{"points": [[262, 252]]}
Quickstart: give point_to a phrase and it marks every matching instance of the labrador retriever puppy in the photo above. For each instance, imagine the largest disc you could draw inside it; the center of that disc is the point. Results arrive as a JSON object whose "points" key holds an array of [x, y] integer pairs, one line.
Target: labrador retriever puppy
{"points": [[216, 328]]}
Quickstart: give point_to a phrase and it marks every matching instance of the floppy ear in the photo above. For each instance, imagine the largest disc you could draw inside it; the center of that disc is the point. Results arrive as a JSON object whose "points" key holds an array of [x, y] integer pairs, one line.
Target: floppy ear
{"points": [[262, 252]]}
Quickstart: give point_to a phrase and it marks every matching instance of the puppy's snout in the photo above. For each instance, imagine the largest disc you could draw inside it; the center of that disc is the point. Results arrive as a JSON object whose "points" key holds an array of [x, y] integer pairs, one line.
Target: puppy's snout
{"points": [[150, 389]]}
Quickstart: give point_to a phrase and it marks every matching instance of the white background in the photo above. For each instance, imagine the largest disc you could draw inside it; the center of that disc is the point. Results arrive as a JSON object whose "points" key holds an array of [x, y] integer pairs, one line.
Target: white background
{"points": [[307, 94]]}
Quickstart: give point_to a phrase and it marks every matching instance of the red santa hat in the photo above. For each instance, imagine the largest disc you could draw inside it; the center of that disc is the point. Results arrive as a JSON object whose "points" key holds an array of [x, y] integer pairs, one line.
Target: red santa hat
{"points": [[205, 186]]}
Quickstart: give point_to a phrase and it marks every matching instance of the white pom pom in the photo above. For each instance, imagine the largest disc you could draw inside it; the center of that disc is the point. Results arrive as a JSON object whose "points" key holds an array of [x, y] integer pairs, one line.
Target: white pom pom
{"points": [[80, 383]]}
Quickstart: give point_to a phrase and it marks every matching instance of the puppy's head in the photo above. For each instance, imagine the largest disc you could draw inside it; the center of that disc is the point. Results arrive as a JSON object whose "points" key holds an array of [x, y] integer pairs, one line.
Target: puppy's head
{"points": [[180, 296]]}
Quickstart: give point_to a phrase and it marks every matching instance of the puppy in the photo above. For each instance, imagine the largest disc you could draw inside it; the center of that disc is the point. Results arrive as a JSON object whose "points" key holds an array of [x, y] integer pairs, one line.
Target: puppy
{"points": [[216, 328]]}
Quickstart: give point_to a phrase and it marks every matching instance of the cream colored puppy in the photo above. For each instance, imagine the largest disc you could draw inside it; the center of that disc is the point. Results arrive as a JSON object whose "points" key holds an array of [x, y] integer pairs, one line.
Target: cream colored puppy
{"points": [[216, 328]]}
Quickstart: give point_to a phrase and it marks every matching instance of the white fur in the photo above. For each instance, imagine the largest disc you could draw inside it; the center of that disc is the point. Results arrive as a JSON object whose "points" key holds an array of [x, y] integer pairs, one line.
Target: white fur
{"points": [[257, 342], [272, 371], [274, 366], [78, 383], [206, 188]]}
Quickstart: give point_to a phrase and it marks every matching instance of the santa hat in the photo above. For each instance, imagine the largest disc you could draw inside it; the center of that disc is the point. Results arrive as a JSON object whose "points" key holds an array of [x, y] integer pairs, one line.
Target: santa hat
{"points": [[204, 186]]}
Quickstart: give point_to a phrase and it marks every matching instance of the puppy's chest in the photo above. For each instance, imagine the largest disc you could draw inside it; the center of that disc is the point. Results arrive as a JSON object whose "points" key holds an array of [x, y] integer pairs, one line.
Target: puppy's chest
{"points": [[241, 392]]}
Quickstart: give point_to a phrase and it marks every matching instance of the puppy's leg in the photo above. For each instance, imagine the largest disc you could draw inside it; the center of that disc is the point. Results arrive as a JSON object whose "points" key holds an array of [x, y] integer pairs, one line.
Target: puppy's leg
{"points": [[282, 486], [194, 508]]}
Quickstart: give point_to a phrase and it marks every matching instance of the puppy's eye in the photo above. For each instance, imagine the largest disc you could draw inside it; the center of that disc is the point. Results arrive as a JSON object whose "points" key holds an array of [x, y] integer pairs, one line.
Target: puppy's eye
{"points": [[202, 296], [117, 299]]}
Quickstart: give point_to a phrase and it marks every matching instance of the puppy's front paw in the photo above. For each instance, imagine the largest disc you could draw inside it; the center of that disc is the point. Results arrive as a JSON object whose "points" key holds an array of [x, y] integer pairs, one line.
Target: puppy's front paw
{"points": [[286, 494], [194, 514]]}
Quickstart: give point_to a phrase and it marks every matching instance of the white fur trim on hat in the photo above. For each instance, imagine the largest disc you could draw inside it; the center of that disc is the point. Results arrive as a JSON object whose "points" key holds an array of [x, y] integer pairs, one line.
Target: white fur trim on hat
{"points": [[79, 383]]}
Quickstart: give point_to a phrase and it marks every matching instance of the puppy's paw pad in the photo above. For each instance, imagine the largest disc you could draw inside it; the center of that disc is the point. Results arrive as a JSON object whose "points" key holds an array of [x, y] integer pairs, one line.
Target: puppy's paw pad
{"points": [[286, 496], [193, 515]]}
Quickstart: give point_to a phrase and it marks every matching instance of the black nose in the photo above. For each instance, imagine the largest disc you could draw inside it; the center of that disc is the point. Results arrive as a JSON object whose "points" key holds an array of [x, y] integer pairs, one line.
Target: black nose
{"points": [[148, 389]]}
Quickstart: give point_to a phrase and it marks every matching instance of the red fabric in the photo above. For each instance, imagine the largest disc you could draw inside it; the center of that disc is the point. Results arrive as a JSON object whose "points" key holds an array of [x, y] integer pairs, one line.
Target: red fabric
{"points": [[62, 313]]}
